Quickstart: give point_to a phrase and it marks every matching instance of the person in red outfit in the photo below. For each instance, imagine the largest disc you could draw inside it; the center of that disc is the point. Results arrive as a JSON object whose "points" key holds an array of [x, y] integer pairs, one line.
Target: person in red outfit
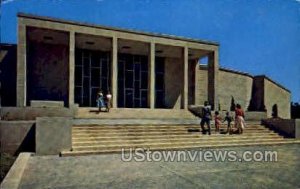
{"points": [[239, 119]]}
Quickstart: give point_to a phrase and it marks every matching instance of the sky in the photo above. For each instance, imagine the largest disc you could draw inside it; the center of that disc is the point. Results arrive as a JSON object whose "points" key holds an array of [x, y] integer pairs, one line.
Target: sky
{"points": [[261, 37]]}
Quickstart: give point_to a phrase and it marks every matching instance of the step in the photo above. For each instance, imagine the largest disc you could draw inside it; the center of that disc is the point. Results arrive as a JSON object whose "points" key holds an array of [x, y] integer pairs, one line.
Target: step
{"points": [[166, 144], [184, 147], [171, 136], [151, 126], [151, 133], [155, 130], [142, 141]]}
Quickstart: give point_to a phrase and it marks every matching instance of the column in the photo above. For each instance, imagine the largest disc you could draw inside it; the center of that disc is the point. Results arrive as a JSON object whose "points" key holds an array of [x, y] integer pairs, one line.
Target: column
{"points": [[213, 70], [21, 65], [151, 77], [114, 72], [71, 67], [185, 77]]}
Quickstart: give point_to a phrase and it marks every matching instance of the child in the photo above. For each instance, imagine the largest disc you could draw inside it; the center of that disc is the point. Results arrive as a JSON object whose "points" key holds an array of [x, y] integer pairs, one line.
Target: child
{"points": [[217, 121], [229, 119]]}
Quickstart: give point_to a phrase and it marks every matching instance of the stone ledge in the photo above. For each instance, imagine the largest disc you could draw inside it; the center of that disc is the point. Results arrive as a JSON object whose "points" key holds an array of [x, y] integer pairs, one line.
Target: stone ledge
{"points": [[46, 104], [14, 176]]}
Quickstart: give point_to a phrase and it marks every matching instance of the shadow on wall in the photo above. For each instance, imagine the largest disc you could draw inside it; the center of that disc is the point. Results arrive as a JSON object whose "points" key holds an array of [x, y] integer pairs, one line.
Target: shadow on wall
{"points": [[295, 110], [8, 67], [28, 143], [275, 111]]}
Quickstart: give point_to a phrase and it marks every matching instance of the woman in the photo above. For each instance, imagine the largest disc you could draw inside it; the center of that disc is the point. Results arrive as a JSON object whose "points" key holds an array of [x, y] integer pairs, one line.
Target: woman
{"points": [[239, 118]]}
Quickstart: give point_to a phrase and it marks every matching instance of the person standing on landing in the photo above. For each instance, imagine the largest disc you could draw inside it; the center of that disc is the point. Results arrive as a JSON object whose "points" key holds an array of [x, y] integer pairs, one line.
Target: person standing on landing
{"points": [[228, 119], [239, 119], [108, 100], [100, 101], [206, 117], [217, 121]]}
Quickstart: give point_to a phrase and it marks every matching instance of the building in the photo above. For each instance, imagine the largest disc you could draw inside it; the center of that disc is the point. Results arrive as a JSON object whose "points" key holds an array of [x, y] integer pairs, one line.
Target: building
{"points": [[61, 60]]}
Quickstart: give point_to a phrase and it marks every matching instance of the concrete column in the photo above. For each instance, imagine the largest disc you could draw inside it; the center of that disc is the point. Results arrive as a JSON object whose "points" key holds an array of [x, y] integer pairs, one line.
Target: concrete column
{"points": [[71, 67], [185, 78], [151, 77], [21, 65], [213, 70], [114, 72]]}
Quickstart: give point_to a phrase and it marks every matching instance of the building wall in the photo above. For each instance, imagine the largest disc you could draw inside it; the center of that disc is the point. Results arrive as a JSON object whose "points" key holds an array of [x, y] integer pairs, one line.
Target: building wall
{"points": [[231, 84], [47, 72], [238, 86], [274, 94], [173, 82], [201, 85]]}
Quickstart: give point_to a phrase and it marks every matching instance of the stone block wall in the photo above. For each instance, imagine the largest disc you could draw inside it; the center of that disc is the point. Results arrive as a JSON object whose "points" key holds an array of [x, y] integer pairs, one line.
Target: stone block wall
{"points": [[173, 82], [201, 93], [17, 136], [276, 95], [236, 85], [231, 84], [53, 135]]}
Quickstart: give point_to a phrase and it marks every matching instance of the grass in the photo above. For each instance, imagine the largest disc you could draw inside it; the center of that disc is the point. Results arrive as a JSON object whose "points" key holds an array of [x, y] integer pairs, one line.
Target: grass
{"points": [[6, 161]]}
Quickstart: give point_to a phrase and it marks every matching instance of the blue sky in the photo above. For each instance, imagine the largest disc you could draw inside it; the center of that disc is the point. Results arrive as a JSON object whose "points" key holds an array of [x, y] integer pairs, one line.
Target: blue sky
{"points": [[257, 36]]}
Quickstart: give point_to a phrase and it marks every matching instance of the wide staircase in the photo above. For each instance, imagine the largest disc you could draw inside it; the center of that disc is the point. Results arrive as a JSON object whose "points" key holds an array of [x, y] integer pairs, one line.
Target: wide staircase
{"points": [[96, 136]]}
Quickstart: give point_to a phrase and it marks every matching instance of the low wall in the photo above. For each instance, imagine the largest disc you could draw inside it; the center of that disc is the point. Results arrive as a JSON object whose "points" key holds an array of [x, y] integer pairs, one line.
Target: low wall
{"points": [[53, 135], [45, 136], [31, 113], [17, 136], [287, 127]]}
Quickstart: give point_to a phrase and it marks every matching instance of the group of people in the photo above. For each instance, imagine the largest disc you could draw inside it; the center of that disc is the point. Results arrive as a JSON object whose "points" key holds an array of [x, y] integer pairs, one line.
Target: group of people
{"points": [[239, 121], [103, 102]]}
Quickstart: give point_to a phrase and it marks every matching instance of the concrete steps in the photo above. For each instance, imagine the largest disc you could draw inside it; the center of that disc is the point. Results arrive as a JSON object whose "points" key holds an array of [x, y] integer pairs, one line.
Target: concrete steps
{"points": [[96, 139]]}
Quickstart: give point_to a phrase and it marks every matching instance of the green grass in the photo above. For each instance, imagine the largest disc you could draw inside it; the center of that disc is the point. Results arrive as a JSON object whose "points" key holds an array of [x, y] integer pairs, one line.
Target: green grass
{"points": [[6, 161]]}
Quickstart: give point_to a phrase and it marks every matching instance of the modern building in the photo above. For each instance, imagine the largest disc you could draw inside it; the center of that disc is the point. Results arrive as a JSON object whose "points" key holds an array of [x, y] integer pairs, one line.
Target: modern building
{"points": [[68, 61]]}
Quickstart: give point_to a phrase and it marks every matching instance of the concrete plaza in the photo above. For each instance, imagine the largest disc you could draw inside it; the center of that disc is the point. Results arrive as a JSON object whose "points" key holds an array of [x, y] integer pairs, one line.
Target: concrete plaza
{"points": [[108, 171]]}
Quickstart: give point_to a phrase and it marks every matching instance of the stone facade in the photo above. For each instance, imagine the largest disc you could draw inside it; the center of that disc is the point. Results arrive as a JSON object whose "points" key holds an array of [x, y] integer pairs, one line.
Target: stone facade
{"points": [[234, 85], [257, 93], [276, 95]]}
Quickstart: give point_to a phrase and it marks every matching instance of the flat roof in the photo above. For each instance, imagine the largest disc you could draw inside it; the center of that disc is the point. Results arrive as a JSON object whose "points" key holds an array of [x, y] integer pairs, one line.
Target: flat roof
{"points": [[63, 21]]}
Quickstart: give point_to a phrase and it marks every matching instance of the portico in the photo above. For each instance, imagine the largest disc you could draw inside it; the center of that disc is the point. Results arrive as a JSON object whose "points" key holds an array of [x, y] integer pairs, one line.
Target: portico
{"points": [[70, 62]]}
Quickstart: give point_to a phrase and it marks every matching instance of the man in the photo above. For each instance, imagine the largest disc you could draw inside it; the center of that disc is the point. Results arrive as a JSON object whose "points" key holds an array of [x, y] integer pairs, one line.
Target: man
{"points": [[206, 116]]}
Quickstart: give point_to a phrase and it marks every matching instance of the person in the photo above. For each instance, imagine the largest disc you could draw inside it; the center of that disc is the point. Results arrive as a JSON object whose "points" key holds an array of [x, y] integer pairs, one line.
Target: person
{"points": [[206, 116], [228, 119], [108, 100], [239, 119], [217, 121], [100, 100]]}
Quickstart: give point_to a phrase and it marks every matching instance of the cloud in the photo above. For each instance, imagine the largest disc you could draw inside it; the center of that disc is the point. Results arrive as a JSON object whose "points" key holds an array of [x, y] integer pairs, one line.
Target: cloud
{"points": [[7, 1]]}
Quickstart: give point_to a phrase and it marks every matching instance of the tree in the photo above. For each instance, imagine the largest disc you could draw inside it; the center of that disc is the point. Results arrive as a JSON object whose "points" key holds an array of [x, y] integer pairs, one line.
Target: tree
{"points": [[232, 107]]}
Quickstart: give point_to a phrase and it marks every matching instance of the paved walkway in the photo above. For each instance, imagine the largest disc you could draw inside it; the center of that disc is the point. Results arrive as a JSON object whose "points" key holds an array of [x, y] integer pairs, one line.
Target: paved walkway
{"points": [[108, 171]]}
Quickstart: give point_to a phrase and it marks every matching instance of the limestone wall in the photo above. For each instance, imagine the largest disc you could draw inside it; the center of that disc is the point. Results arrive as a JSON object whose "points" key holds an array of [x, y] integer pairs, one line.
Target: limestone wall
{"points": [[275, 94], [236, 85], [173, 82], [201, 85]]}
